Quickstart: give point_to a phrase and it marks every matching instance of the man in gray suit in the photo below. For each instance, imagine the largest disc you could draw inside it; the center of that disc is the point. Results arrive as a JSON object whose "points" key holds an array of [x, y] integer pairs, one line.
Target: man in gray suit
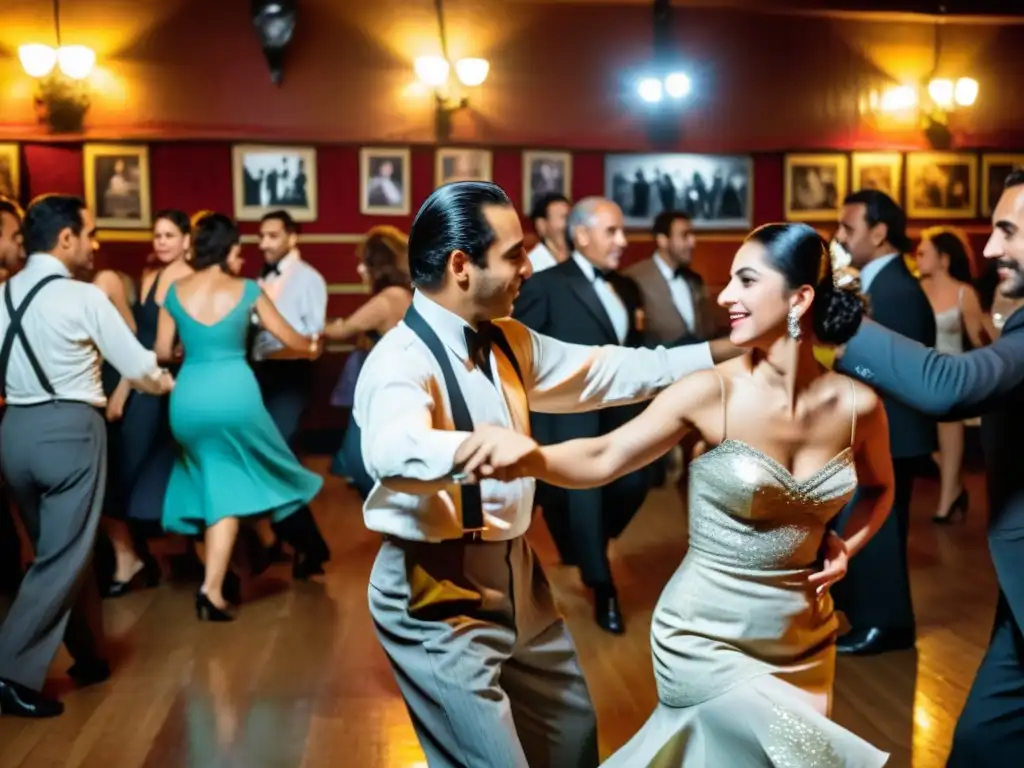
{"points": [[53, 446], [987, 382]]}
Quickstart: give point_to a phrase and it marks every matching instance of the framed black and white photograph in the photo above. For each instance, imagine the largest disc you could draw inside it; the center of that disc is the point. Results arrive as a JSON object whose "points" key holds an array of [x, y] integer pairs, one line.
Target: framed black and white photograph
{"points": [[10, 167], [816, 185], [384, 186], [271, 178], [715, 191], [878, 170], [462, 164], [994, 170], [117, 185], [942, 185], [545, 173]]}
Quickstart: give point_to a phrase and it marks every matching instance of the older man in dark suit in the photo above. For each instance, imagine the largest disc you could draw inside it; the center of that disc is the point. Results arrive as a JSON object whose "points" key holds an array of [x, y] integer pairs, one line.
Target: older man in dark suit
{"points": [[987, 382], [584, 301], [875, 596]]}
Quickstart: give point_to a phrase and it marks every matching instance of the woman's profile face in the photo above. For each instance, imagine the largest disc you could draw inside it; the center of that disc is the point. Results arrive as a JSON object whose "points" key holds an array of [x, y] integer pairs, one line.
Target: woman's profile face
{"points": [[929, 262], [169, 242], [756, 297], [235, 261]]}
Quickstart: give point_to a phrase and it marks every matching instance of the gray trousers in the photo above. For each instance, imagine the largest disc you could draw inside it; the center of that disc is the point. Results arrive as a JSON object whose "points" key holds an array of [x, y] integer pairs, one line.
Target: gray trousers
{"points": [[54, 458], [485, 664]]}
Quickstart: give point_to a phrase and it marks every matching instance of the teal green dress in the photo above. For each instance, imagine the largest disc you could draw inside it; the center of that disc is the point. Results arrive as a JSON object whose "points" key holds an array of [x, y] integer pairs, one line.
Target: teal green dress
{"points": [[233, 461]]}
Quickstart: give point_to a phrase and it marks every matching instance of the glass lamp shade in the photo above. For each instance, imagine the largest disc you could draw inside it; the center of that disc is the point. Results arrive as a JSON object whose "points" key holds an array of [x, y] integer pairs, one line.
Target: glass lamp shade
{"points": [[472, 72], [941, 92], [432, 70], [76, 61], [966, 91], [37, 60]]}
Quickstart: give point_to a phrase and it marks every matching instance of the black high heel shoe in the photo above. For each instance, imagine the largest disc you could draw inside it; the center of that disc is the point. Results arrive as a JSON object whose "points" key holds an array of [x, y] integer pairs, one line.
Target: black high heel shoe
{"points": [[207, 611], [958, 507], [147, 577]]}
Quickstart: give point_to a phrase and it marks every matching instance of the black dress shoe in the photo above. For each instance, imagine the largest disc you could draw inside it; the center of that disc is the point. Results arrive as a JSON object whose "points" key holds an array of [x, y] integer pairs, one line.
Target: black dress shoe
{"points": [[90, 672], [19, 701], [606, 611], [147, 577], [868, 642]]}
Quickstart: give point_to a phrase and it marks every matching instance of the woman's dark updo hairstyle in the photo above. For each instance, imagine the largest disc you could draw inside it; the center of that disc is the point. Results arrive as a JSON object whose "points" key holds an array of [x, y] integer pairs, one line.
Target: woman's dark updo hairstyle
{"points": [[214, 237], [178, 218], [802, 257]]}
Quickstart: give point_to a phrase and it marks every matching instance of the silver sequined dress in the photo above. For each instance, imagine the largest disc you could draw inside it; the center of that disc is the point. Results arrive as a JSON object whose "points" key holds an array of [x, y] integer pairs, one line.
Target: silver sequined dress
{"points": [[744, 651]]}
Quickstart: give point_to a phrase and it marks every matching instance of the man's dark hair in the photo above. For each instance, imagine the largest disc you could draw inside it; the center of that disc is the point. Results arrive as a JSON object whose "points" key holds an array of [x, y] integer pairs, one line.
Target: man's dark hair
{"points": [[212, 240], [879, 208], [663, 222], [542, 203], [452, 219], [1015, 179], [11, 207], [290, 225], [47, 217]]}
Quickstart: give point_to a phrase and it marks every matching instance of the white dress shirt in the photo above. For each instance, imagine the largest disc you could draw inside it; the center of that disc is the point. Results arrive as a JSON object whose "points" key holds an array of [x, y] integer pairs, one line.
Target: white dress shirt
{"points": [[299, 293], [72, 326], [401, 405], [610, 300], [871, 270], [541, 257], [679, 289]]}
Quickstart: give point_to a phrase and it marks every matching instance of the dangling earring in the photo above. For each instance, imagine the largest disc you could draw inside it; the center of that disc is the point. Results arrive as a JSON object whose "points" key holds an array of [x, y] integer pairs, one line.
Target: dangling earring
{"points": [[793, 324]]}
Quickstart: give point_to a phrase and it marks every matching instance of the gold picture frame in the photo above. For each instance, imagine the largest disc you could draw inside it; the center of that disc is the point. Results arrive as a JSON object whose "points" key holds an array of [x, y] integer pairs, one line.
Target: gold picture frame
{"points": [[878, 170], [994, 170], [545, 173], [462, 164], [377, 191], [816, 185], [274, 177], [942, 185], [10, 171], [117, 185]]}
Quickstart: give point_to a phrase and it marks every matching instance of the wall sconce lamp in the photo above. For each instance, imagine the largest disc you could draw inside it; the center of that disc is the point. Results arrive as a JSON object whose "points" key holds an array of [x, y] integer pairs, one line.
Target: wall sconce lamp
{"points": [[74, 61], [932, 105], [435, 72]]}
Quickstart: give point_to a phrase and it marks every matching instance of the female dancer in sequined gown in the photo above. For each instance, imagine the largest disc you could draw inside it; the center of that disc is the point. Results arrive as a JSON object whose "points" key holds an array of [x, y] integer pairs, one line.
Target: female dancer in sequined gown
{"points": [[743, 635]]}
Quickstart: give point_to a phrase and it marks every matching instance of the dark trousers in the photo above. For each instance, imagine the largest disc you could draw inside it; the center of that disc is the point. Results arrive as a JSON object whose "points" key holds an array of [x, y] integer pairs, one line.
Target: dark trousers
{"points": [[287, 387], [876, 590], [582, 522], [54, 457], [990, 731], [10, 545]]}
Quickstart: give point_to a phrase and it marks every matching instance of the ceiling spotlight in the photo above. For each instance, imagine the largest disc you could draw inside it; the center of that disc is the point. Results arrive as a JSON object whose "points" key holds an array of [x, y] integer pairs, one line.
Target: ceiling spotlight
{"points": [[677, 85], [650, 90]]}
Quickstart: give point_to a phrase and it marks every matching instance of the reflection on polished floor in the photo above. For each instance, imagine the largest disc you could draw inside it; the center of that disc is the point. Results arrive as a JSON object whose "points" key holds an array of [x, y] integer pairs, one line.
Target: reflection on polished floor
{"points": [[299, 679]]}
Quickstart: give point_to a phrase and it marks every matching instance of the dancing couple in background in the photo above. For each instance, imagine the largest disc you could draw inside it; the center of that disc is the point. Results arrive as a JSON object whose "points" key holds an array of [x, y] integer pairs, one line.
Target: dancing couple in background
{"points": [[745, 633]]}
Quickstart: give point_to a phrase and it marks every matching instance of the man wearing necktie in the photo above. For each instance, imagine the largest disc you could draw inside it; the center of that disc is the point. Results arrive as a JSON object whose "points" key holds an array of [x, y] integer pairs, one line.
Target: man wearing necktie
{"points": [[461, 606], [584, 301], [299, 293]]}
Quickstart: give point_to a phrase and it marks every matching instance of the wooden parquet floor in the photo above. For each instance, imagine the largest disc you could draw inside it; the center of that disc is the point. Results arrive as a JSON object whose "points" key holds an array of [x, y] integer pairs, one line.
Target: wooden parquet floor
{"points": [[299, 679]]}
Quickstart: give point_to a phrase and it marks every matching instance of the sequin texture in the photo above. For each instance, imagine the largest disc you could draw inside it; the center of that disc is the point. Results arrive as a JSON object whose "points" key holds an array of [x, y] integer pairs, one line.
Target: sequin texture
{"points": [[795, 743]]}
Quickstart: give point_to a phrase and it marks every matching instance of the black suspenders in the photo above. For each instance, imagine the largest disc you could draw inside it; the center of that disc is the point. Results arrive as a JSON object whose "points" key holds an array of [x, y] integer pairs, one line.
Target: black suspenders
{"points": [[17, 331], [472, 506]]}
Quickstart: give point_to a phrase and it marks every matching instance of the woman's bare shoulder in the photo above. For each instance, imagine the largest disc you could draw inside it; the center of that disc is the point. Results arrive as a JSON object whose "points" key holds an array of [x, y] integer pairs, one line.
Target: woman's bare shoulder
{"points": [[866, 399]]}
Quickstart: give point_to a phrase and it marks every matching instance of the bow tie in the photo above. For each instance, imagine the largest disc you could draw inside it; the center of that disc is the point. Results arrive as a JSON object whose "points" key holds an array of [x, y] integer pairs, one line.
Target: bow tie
{"points": [[270, 269], [602, 275], [478, 345], [681, 272]]}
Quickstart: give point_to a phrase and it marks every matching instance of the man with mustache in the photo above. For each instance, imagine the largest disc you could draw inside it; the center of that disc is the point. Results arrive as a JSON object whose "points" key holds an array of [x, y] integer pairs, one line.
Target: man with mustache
{"points": [[987, 382]]}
